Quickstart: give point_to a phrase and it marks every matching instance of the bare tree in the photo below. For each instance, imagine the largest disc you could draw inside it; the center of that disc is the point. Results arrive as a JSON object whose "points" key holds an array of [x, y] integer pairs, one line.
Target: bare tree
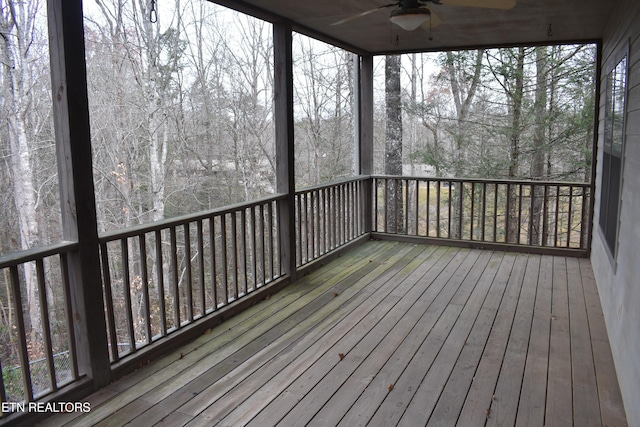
{"points": [[539, 141], [18, 26], [464, 72], [250, 126], [393, 143], [508, 69], [324, 118]]}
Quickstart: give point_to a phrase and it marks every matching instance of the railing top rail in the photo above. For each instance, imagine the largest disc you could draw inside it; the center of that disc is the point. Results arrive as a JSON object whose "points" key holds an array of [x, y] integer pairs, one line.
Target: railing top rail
{"points": [[183, 219], [333, 183], [21, 257], [487, 181]]}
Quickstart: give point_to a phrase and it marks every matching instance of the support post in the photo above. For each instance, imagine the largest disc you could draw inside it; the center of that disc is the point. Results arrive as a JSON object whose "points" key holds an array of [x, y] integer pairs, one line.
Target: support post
{"points": [[75, 175], [365, 135], [283, 115]]}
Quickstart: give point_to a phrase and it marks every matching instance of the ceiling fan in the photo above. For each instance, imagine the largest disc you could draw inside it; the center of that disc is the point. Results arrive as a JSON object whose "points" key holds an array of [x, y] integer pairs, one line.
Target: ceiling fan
{"points": [[411, 14]]}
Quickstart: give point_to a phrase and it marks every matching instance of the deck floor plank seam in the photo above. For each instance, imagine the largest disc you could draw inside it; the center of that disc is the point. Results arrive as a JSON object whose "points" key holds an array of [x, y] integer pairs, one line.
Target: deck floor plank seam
{"points": [[310, 315], [334, 408], [288, 399], [611, 408], [474, 291], [449, 404], [558, 408], [357, 316], [201, 355], [391, 333], [477, 404], [431, 304], [586, 410], [531, 406], [395, 403]]}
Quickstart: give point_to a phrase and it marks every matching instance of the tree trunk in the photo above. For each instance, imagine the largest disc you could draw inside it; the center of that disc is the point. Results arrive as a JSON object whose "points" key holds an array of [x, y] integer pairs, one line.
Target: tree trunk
{"points": [[514, 157], [463, 88], [539, 143], [156, 104], [393, 147], [17, 22]]}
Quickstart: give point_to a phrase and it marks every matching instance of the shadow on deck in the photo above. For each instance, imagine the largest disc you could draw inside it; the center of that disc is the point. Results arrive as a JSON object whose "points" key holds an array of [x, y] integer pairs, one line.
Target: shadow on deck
{"points": [[392, 334]]}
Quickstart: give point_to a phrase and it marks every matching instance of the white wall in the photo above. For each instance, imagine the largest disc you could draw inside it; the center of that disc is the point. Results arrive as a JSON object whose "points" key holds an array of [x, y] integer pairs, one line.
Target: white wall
{"points": [[619, 279]]}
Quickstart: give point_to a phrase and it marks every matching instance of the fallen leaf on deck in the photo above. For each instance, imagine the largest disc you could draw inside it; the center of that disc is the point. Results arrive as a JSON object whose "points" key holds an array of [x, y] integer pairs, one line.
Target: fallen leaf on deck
{"points": [[341, 355], [390, 387]]}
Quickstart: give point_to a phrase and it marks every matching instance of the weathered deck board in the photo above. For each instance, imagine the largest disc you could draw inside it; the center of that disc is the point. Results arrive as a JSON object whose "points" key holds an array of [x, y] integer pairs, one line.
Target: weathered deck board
{"points": [[392, 334], [450, 404], [477, 404], [341, 337], [534, 383], [610, 399], [559, 409], [586, 408]]}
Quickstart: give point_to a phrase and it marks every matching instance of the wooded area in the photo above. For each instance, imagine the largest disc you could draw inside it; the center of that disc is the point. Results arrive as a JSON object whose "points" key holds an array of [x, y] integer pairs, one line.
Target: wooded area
{"points": [[182, 121]]}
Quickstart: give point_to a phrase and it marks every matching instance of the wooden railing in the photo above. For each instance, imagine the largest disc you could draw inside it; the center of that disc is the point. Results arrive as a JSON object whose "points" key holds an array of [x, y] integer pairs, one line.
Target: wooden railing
{"points": [[328, 217], [162, 277], [38, 351], [533, 214]]}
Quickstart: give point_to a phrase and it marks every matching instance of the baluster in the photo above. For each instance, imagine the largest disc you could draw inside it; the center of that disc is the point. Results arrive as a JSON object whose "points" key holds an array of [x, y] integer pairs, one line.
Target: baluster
{"points": [[254, 250], [263, 248], [142, 243], [46, 327], [201, 267], [555, 237], [570, 216], [160, 274], [519, 232], [243, 248], [126, 284], [22, 333], [64, 270], [213, 263], [174, 277], [108, 295], [188, 275], [495, 212], [471, 217], [484, 211]]}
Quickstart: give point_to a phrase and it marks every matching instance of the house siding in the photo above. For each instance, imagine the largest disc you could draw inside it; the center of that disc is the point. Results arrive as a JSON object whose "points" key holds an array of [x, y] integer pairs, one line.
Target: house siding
{"points": [[618, 278]]}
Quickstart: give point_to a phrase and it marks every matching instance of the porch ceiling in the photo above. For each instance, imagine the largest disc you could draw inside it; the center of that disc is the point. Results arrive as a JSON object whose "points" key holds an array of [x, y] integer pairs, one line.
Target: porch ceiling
{"points": [[528, 22]]}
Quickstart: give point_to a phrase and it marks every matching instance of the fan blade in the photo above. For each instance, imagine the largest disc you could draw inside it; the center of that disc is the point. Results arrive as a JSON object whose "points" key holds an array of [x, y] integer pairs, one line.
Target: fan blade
{"points": [[433, 22], [489, 4], [361, 14]]}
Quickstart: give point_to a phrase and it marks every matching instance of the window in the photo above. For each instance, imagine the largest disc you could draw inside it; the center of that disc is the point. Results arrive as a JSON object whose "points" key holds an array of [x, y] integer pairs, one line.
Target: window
{"points": [[613, 152]]}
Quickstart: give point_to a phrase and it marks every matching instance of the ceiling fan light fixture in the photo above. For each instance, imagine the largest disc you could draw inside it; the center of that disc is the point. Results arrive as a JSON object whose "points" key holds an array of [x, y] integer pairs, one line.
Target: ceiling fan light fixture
{"points": [[410, 18]]}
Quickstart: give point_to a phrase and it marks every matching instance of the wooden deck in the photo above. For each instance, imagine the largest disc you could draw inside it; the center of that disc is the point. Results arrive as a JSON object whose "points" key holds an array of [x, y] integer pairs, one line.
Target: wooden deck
{"points": [[392, 334]]}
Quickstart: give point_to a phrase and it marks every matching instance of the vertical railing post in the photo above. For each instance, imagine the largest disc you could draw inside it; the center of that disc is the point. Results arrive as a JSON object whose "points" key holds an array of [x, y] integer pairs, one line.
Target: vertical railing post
{"points": [[75, 176], [364, 146], [283, 115]]}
